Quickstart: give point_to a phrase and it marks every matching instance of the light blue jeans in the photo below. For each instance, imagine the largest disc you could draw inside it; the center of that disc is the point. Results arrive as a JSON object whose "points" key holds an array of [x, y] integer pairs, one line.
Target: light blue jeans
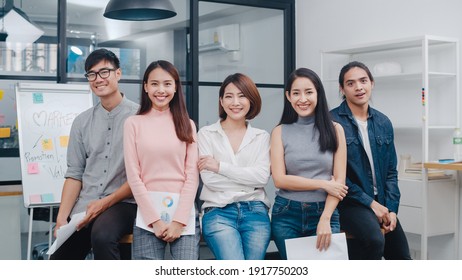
{"points": [[293, 219], [238, 231]]}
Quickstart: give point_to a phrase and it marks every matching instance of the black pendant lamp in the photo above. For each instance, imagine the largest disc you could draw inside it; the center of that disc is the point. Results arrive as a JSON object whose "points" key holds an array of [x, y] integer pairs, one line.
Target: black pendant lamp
{"points": [[139, 10], [3, 33]]}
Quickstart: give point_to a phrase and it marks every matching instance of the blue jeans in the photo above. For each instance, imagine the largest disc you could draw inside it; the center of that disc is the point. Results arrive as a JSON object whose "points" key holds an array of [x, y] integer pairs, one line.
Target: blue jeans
{"points": [[293, 219], [238, 231]]}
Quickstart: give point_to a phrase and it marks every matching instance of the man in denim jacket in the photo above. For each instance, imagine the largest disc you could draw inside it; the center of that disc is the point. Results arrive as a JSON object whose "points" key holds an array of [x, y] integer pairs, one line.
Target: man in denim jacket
{"points": [[371, 205]]}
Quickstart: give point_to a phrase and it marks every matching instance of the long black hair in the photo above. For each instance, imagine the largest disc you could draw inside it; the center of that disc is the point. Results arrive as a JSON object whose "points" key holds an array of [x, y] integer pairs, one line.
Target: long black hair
{"points": [[177, 105], [323, 121]]}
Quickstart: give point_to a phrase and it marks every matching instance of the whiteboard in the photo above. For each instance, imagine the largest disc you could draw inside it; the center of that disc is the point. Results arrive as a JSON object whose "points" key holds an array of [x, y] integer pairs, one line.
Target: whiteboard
{"points": [[45, 116]]}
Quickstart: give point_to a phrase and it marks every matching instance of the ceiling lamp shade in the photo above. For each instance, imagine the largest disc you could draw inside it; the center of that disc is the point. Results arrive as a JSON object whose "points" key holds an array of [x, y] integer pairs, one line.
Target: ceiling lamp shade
{"points": [[139, 10], [21, 31]]}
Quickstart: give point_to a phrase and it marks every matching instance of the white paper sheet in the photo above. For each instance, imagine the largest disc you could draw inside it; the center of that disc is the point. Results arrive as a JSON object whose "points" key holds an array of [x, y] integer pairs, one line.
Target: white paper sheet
{"points": [[166, 204], [66, 231], [304, 248]]}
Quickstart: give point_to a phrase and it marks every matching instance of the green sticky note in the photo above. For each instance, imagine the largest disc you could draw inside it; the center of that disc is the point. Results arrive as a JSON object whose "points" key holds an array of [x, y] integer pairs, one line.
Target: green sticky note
{"points": [[37, 97], [48, 197]]}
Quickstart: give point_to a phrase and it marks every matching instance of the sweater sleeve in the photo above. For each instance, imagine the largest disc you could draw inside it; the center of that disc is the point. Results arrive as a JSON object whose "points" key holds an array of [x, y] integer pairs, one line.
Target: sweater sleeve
{"points": [[191, 174], [133, 169]]}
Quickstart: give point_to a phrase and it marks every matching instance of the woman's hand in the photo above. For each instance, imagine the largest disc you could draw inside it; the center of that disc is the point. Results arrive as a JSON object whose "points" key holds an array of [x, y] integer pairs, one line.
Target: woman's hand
{"points": [[336, 189], [159, 227], [208, 163], [324, 233], [173, 232]]}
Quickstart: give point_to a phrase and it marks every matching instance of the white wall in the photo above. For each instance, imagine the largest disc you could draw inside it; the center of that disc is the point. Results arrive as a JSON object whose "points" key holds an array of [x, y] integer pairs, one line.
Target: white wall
{"points": [[334, 24]]}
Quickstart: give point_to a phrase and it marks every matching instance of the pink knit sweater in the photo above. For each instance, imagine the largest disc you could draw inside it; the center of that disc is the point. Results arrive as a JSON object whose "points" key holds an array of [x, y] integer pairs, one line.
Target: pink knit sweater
{"points": [[156, 160]]}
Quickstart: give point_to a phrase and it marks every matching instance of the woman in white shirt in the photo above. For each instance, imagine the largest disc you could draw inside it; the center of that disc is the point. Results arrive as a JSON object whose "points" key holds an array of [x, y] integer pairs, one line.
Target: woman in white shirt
{"points": [[234, 164]]}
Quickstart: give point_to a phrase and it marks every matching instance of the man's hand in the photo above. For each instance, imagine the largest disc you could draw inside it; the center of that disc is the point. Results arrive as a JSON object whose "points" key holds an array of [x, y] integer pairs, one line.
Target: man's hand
{"points": [[94, 209], [381, 212], [392, 224], [59, 223]]}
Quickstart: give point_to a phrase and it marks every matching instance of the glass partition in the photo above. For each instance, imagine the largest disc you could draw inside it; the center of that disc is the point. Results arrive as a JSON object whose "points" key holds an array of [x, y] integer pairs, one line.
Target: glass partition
{"points": [[30, 46], [237, 38], [137, 43]]}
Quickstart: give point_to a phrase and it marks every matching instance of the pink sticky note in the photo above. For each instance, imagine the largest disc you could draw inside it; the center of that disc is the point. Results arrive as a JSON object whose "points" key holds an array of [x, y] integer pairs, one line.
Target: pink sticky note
{"points": [[32, 168], [35, 198]]}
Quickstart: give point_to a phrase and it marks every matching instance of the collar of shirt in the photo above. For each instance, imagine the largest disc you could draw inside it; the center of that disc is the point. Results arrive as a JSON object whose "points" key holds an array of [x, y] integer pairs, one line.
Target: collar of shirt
{"points": [[117, 108], [250, 133]]}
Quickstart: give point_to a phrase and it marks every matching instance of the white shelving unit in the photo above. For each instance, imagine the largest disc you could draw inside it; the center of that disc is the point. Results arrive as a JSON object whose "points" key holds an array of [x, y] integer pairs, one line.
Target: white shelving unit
{"points": [[417, 87]]}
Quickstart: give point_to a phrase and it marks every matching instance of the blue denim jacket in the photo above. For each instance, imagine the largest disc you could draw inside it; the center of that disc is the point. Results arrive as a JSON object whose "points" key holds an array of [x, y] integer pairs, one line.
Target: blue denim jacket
{"points": [[359, 174]]}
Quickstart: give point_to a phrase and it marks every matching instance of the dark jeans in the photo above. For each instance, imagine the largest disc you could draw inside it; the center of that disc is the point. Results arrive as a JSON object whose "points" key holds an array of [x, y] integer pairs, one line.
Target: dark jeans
{"points": [[103, 235], [293, 219], [369, 243]]}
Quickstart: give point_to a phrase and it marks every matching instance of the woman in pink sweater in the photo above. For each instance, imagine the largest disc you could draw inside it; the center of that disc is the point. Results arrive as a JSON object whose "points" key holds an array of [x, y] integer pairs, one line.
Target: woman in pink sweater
{"points": [[161, 157]]}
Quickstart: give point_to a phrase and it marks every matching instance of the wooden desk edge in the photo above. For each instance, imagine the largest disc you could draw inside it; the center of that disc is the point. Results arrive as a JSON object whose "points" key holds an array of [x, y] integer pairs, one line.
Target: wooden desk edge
{"points": [[447, 166], [10, 190]]}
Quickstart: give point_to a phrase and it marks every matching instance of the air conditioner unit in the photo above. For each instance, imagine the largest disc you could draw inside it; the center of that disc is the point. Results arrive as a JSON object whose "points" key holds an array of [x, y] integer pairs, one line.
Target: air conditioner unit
{"points": [[223, 38]]}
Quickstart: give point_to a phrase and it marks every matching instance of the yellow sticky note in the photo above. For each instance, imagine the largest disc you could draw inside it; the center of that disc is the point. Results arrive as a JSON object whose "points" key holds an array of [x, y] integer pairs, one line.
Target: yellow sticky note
{"points": [[47, 144], [1, 94], [5, 132], [63, 141]]}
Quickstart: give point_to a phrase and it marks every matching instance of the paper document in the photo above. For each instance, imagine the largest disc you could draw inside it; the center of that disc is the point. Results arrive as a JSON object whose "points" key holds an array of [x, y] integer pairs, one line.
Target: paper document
{"points": [[66, 231], [165, 204], [304, 248]]}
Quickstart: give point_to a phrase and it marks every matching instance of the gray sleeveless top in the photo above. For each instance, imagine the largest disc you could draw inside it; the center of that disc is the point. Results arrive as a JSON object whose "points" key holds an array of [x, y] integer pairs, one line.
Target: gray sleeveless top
{"points": [[303, 158]]}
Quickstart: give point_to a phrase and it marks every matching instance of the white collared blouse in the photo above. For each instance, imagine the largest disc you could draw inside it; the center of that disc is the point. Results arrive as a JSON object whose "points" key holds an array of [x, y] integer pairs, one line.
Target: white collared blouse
{"points": [[243, 175]]}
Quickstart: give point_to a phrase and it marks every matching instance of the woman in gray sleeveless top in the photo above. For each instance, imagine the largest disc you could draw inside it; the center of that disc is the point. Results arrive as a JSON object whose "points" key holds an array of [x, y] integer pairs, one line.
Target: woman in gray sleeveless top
{"points": [[308, 164]]}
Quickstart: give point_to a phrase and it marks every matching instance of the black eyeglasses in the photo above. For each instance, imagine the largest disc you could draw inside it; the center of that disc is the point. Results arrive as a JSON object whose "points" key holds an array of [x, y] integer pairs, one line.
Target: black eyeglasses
{"points": [[103, 73]]}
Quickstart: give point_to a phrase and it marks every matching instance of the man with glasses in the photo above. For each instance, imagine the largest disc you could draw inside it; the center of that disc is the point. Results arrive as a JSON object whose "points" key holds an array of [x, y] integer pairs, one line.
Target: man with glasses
{"points": [[95, 179]]}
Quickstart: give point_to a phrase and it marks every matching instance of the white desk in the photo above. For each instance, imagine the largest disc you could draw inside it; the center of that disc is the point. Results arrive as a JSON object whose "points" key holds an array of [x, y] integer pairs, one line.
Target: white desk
{"points": [[444, 166], [10, 234]]}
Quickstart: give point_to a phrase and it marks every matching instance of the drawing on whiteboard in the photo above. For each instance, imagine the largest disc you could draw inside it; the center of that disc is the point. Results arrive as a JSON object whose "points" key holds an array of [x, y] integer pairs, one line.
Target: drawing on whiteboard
{"points": [[45, 116]]}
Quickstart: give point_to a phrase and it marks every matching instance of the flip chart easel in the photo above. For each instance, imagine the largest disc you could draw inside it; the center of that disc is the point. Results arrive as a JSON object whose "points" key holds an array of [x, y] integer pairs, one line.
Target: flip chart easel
{"points": [[45, 116]]}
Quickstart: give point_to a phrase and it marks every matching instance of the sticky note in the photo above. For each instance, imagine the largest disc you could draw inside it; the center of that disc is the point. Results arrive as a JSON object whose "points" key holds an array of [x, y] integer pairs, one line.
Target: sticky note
{"points": [[5, 132], [35, 198], [48, 197], [33, 168], [64, 141], [2, 119], [1, 94], [37, 97], [47, 144]]}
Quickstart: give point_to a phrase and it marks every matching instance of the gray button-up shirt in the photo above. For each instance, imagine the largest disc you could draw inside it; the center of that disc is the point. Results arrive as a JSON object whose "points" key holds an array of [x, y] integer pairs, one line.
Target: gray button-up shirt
{"points": [[95, 152]]}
